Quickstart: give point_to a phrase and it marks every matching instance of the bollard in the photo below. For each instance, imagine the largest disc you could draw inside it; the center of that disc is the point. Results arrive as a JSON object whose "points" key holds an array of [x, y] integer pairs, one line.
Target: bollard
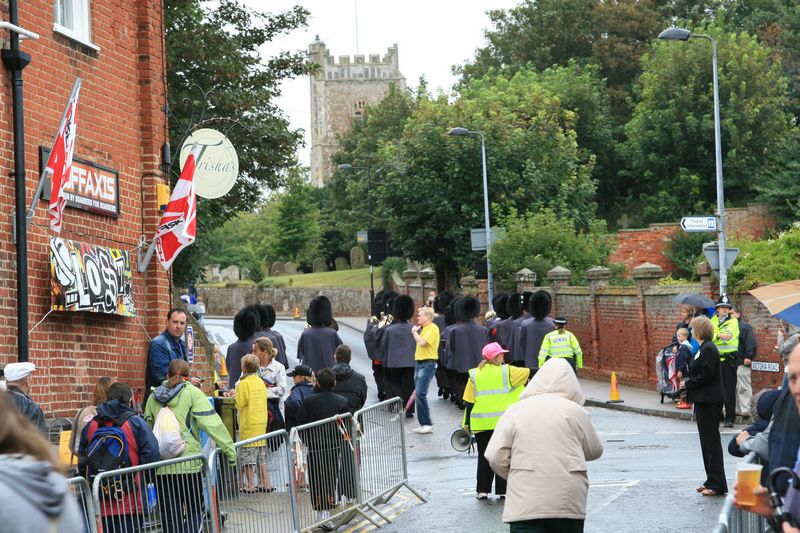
{"points": [[296, 313], [614, 396]]}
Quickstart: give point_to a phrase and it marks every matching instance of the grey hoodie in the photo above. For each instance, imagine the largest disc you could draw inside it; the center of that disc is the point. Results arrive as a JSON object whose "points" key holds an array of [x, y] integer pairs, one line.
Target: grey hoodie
{"points": [[35, 498]]}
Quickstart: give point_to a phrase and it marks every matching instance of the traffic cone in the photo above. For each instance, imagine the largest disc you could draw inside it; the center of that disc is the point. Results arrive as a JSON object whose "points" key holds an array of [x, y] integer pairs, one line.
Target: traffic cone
{"points": [[614, 390], [296, 313]]}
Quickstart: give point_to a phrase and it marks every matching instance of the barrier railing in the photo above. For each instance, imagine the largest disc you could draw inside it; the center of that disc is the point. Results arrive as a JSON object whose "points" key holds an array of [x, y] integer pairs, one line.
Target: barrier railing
{"points": [[735, 520], [258, 493], [383, 468], [170, 495], [83, 496]]}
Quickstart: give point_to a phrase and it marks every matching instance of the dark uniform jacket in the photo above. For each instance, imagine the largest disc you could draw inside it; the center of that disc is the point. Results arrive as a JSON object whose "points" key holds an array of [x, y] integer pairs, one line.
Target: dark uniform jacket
{"points": [[705, 383], [441, 323], [464, 345], [352, 385], [371, 343], [503, 331], [277, 342], [28, 408], [233, 359], [747, 343], [531, 335], [397, 345], [316, 347], [515, 351]]}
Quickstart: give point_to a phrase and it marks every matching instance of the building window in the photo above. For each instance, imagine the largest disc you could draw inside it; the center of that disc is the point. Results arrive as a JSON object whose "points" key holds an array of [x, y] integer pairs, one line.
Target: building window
{"points": [[73, 19]]}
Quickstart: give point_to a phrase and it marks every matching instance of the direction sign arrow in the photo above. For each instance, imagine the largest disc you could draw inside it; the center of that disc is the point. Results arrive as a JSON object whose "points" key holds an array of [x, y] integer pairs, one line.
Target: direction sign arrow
{"points": [[705, 223]]}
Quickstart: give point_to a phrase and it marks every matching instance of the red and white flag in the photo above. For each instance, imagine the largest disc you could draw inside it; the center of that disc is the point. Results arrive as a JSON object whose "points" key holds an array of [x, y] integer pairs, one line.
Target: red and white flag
{"points": [[178, 226], [59, 164]]}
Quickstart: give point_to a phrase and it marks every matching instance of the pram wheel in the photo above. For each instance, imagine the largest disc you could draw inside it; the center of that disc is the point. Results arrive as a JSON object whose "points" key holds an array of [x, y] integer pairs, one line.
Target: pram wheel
{"points": [[662, 397]]}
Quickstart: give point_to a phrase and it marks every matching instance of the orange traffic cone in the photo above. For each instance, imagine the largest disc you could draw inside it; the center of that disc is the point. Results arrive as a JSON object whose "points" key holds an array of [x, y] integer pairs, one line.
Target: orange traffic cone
{"points": [[614, 396], [296, 313]]}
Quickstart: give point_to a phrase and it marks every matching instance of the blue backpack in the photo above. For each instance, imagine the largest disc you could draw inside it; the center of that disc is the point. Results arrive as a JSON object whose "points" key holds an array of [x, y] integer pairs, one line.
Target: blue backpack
{"points": [[111, 446]]}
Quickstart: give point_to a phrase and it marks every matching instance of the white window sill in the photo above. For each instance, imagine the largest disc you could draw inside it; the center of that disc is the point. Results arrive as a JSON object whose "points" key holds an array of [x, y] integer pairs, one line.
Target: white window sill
{"points": [[66, 32]]}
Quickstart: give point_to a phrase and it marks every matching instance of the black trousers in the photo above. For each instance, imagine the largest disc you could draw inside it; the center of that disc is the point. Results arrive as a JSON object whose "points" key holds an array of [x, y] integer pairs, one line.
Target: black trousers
{"points": [[441, 378], [728, 370], [458, 382], [377, 374], [400, 382], [485, 472], [708, 416]]}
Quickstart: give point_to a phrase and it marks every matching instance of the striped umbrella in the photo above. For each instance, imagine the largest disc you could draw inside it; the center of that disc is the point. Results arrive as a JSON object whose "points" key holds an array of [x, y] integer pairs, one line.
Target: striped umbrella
{"points": [[782, 299]]}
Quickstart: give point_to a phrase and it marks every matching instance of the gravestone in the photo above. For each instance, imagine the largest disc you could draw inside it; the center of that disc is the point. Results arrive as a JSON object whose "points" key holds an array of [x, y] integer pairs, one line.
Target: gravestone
{"points": [[341, 263], [230, 274], [319, 265], [290, 268], [277, 269], [357, 258]]}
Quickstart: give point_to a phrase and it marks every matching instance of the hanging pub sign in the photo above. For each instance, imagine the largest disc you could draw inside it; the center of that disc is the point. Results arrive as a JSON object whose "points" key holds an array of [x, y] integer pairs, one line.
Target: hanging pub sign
{"points": [[90, 186], [85, 277]]}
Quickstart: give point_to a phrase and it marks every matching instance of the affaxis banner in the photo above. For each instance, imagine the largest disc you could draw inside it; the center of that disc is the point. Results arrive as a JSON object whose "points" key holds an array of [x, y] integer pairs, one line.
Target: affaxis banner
{"points": [[85, 277]]}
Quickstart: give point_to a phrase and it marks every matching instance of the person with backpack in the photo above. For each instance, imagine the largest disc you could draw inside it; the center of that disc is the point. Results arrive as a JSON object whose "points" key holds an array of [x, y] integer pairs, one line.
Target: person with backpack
{"points": [[87, 413], [118, 438], [178, 411]]}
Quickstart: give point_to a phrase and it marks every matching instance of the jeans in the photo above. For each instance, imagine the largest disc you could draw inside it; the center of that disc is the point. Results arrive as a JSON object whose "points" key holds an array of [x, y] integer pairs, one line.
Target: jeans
{"points": [[423, 374]]}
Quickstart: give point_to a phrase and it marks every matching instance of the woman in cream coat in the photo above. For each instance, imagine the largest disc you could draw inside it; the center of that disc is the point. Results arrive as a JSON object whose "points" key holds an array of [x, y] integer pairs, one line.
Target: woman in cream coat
{"points": [[541, 445]]}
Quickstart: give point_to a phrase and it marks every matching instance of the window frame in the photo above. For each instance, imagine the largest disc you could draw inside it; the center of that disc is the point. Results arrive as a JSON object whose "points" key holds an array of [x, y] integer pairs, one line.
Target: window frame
{"points": [[81, 20]]}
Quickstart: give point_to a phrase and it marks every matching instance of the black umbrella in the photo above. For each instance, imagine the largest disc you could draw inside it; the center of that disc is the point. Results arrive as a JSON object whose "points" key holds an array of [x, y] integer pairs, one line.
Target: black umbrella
{"points": [[695, 299]]}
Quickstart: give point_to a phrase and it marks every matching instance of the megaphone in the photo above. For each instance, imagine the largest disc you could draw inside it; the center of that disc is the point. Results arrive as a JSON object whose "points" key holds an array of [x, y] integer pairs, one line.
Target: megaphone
{"points": [[461, 440]]}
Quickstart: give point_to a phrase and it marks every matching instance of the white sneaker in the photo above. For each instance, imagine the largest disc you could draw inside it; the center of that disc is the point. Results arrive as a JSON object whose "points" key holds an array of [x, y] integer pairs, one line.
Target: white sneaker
{"points": [[424, 430], [481, 496], [323, 515]]}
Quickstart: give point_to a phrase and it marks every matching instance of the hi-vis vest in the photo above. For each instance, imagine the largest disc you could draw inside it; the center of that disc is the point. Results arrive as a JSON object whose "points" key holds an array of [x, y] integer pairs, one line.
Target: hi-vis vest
{"points": [[730, 325], [562, 345], [493, 395]]}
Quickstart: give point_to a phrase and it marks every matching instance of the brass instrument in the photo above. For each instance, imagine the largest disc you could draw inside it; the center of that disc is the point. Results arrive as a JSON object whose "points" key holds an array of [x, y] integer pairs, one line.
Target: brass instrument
{"points": [[373, 319], [490, 315], [385, 320]]}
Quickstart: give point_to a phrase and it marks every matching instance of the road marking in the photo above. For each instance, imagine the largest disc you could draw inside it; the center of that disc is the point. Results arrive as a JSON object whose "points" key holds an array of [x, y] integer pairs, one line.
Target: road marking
{"points": [[623, 487], [392, 510], [618, 433]]}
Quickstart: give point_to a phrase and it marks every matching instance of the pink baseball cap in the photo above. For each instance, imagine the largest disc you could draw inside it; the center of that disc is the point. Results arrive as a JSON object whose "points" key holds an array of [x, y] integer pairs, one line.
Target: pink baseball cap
{"points": [[492, 350]]}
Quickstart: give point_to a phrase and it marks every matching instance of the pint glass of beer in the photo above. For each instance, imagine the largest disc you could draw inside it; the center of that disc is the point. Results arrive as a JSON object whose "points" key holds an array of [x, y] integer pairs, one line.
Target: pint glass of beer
{"points": [[748, 476]]}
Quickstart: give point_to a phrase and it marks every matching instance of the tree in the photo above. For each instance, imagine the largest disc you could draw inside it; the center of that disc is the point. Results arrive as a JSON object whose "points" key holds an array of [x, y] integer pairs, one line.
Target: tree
{"points": [[292, 227], [215, 45], [780, 188], [670, 143]]}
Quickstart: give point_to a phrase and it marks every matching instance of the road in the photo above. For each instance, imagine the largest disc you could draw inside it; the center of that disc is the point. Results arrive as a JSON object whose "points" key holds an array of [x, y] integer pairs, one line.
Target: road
{"points": [[644, 482]]}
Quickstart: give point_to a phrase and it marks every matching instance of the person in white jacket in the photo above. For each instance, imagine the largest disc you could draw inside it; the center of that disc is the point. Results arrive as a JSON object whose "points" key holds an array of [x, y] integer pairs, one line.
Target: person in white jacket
{"points": [[541, 445]]}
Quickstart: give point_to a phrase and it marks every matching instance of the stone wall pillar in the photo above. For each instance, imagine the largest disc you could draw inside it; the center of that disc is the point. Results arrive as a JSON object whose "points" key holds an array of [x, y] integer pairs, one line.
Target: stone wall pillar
{"points": [[410, 280], [526, 280], [646, 275], [427, 277], [482, 293], [558, 277], [469, 286], [598, 277], [707, 280]]}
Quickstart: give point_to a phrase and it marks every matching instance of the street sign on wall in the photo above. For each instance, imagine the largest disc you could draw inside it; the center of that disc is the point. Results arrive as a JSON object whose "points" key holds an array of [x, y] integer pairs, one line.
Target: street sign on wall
{"points": [[765, 366], [704, 223], [478, 237]]}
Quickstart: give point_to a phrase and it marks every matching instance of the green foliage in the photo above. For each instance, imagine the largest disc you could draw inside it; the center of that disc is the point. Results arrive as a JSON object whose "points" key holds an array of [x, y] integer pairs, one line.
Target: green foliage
{"points": [[670, 143], [216, 45], [292, 229], [685, 250], [540, 241], [780, 189], [767, 261], [391, 265]]}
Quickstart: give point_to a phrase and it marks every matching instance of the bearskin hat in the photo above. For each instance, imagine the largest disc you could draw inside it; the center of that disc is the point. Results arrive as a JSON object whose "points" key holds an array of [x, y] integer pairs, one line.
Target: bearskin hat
{"points": [[525, 299], [403, 308], [499, 304], [514, 305], [319, 312], [263, 315], [467, 308], [245, 323], [388, 302], [377, 303], [441, 302], [450, 312], [540, 304], [271, 317]]}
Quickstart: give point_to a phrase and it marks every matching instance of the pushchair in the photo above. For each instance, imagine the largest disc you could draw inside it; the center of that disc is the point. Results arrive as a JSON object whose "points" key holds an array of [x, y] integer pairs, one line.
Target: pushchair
{"points": [[668, 384]]}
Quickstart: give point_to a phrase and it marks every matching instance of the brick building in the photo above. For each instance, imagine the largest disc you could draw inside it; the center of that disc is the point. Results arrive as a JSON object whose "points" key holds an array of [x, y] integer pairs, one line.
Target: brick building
{"points": [[117, 48]]}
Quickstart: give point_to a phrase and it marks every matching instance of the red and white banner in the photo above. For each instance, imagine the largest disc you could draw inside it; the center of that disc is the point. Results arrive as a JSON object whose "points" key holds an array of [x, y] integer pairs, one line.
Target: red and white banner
{"points": [[178, 226], [59, 164]]}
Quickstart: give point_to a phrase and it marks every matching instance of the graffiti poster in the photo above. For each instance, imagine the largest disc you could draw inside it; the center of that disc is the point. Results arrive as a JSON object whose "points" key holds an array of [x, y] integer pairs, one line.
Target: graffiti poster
{"points": [[85, 277]]}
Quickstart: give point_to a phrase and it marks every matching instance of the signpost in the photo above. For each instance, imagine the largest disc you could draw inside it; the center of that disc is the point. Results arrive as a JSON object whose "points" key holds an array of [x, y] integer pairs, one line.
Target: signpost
{"points": [[478, 238], [702, 223], [765, 367], [711, 251]]}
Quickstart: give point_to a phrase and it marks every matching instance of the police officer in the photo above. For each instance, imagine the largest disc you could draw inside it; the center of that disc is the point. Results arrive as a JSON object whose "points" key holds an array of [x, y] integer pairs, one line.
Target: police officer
{"points": [[491, 389], [563, 344], [726, 339]]}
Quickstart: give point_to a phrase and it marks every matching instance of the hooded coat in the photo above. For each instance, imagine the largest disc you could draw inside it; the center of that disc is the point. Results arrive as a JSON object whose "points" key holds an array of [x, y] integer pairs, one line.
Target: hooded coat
{"points": [[351, 385], [35, 498], [541, 446]]}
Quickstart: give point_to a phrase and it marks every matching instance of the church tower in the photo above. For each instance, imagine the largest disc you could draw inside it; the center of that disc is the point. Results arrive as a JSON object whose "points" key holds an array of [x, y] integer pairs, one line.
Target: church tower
{"points": [[340, 91]]}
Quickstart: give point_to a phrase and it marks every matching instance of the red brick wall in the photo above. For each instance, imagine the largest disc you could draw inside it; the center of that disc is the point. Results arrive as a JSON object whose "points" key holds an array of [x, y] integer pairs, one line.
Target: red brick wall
{"points": [[751, 222], [120, 125], [637, 246]]}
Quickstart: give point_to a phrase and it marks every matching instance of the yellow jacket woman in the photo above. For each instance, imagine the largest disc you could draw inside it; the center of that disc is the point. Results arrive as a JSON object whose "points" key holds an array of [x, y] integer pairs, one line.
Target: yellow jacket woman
{"points": [[251, 401]]}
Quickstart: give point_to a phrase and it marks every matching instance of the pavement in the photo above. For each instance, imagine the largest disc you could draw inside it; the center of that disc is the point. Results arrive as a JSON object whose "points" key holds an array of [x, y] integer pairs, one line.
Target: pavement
{"points": [[597, 393]]}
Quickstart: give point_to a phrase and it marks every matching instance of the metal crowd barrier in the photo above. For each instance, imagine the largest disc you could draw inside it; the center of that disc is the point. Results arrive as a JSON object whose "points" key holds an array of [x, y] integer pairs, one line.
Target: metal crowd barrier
{"points": [[170, 495], [258, 493], [735, 520], [381, 441], [82, 493]]}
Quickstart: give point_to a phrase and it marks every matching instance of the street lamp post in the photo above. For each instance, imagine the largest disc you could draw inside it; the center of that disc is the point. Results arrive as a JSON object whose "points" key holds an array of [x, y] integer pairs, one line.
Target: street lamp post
{"points": [[464, 132], [348, 167], [681, 34]]}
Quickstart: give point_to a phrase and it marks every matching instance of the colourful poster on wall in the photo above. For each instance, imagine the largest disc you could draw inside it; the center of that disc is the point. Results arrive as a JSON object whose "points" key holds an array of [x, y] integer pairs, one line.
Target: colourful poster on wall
{"points": [[190, 344], [85, 277]]}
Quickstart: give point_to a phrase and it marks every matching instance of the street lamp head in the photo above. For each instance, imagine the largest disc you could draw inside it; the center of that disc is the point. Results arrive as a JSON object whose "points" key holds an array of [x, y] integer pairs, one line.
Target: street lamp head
{"points": [[675, 34], [458, 132], [345, 166]]}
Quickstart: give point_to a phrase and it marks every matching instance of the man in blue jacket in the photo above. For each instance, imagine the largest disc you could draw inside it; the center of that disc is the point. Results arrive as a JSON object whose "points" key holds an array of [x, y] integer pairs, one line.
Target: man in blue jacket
{"points": [[164, 349]]}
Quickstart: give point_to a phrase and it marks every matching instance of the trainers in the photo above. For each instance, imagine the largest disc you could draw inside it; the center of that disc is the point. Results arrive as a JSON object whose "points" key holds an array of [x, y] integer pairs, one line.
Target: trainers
{"points": [[481, 496], [323, 515], [424, 430]]}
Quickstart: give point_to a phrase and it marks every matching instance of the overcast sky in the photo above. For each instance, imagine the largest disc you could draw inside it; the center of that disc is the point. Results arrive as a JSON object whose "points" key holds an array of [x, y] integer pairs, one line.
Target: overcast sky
{"points": [[431, 35]]}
